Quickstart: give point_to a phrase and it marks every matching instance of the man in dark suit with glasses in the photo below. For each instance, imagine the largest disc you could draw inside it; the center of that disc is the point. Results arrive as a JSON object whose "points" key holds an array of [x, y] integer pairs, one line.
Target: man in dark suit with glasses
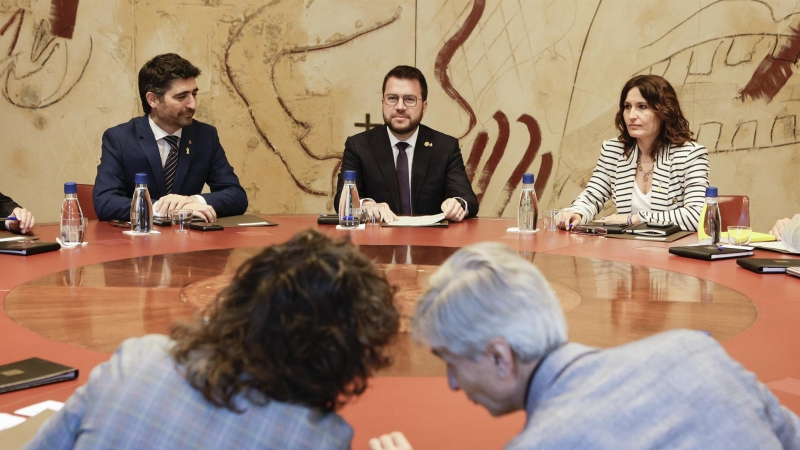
{"points": [[413, 169]]}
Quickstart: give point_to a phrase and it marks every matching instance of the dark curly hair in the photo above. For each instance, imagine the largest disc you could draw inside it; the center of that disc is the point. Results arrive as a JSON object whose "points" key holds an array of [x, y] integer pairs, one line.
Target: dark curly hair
{"points": [[304, 322], [407, 73], [661, 98], [157, 75]]}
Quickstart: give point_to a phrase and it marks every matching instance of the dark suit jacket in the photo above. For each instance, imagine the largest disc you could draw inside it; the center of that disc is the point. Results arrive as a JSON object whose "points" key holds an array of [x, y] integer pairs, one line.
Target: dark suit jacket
{"points": [[131, 148], [437, 172], [6, 206]]}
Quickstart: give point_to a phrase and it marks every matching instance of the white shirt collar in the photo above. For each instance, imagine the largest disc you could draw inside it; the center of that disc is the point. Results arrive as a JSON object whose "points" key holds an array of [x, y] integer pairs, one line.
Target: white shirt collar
{"points": [[412, 141], [158, 132]]}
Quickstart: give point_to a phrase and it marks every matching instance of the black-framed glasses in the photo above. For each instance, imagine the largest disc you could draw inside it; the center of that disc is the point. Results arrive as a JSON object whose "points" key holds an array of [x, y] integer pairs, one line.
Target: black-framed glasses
{"points": [[408, 100]]}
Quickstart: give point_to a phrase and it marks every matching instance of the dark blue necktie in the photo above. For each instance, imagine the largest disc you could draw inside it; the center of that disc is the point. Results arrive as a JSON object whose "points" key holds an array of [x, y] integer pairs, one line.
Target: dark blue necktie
{"points": [[171, 165], [402, 179]]}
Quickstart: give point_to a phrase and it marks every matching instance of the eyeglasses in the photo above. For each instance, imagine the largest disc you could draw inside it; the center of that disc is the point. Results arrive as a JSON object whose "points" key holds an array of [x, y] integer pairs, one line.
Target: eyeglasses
{"points": [[408, 100]]}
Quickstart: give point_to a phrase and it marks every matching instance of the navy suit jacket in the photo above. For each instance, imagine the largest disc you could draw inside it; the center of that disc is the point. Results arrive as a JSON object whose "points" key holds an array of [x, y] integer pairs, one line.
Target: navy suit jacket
{"points": [[437, 171], [6, 206], [131, 148]]}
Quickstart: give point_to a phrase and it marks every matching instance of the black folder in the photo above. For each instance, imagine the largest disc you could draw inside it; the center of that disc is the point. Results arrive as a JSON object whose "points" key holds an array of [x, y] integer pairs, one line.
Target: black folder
{"points": [[709, 252], [768, 265], [26, 248], [33, 372]]}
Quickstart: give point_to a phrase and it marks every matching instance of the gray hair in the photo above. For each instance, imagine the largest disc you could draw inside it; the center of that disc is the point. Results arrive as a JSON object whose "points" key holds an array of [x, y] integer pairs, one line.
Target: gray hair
{"points": [[484, 291]]}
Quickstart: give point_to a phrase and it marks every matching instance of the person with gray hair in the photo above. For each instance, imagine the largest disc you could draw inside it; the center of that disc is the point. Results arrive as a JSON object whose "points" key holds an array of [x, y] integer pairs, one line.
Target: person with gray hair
{"points": [[497, 324]]}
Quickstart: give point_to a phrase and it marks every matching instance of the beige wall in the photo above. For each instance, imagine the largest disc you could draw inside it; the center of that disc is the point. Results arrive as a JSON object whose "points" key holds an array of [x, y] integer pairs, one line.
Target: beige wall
{"points": [[285, 82]]}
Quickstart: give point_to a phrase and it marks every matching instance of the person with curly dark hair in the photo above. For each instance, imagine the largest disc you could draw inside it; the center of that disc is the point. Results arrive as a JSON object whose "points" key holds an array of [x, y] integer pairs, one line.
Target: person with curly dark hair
{"points": [[295, 335], [653, 171]]}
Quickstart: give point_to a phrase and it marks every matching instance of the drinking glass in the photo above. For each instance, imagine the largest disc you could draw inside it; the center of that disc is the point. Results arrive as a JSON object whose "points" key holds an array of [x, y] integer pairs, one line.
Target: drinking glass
{"points": [[739, 235], [181, 218]]}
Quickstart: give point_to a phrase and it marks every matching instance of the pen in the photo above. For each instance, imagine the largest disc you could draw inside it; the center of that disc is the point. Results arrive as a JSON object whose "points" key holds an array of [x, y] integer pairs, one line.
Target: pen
{"points": [[12, 217], [719, 247]]}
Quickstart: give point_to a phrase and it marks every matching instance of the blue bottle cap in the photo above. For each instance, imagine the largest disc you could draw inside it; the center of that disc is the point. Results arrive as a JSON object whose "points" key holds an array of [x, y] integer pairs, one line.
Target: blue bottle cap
{"points": [[711, 192], [527, 178], [350, 175], [70, 187], [140, 178]]}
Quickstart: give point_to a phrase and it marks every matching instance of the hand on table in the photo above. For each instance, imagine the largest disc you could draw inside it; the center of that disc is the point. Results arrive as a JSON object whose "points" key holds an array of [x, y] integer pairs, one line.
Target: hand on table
{"points": [[206, 212], [24, 223], [385, 212], [453, 210], [392, 441], [173, 201], [567, 217], [777, 229]]}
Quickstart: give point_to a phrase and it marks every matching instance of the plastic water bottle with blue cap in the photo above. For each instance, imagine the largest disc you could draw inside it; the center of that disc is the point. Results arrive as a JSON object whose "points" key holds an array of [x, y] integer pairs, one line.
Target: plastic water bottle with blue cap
{"points": [[528, 212], [141, 206], [710, 226], [349, 202], [71, 217]]}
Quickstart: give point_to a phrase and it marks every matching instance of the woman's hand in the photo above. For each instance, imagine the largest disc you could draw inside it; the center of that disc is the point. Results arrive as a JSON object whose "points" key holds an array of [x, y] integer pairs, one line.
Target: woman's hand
{"points": [[566, 218], [777, 230]]}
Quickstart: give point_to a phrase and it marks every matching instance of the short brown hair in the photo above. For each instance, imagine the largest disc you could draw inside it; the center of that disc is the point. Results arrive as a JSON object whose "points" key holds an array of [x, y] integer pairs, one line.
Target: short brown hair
{"points": [[157, 75], [661, 98], [304, 322], [407, 73]]}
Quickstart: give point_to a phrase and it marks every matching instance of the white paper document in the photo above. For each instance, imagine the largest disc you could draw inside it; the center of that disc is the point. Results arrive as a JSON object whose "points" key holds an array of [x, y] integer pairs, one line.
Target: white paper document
{"points": [[36, 408], [416, 221], [8, 421]]}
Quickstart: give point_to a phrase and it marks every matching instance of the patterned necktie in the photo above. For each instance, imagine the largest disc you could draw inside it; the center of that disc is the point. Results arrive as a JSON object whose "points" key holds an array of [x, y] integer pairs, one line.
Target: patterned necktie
{"points": [[171, 166], [402, 178]]}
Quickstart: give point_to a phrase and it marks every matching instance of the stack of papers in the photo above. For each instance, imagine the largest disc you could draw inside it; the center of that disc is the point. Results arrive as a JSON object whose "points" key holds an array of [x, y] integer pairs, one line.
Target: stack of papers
{"points": [[416, 221]]}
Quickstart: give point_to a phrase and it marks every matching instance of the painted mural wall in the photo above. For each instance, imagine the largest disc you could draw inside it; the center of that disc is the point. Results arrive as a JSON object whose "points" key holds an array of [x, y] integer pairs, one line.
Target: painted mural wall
{"points": [[526, 85]]}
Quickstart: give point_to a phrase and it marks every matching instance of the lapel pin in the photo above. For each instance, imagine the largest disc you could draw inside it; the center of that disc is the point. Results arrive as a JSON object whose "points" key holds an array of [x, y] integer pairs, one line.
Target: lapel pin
{"points": [[187, 150], [428, 144]]}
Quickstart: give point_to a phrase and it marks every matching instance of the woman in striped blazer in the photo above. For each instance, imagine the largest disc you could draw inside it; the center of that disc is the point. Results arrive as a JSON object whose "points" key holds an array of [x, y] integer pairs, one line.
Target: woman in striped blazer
{"points": [[653, 171]]}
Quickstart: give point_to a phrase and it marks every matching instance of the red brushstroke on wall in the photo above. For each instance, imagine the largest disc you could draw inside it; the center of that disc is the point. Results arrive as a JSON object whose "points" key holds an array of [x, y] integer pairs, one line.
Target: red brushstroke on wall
{"points": [[446, 55], [774, 71], [504, 130], [535, 143], [478, 146], [62, 17], [21, 13]]}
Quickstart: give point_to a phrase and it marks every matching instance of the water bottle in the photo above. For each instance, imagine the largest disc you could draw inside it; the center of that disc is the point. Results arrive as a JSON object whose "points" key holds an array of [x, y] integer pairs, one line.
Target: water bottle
{"points": [[71, 217], [710, 222], [349, 203], [528, 212], [141, 206]]}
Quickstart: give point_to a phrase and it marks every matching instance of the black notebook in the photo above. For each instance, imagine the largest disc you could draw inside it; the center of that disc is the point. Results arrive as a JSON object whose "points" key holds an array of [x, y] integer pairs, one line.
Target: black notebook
{"points": [[709, 252], [26, 248], [33, 372], [768, 265]]}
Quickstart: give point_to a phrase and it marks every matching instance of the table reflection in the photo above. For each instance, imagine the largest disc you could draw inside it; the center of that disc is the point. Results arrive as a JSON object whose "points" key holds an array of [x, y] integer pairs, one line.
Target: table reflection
{"points": [[606, 303]]}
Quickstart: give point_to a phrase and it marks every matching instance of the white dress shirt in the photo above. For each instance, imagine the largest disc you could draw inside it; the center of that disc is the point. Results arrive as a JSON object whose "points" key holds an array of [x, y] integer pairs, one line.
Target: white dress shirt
{"points": [[164, 148]]}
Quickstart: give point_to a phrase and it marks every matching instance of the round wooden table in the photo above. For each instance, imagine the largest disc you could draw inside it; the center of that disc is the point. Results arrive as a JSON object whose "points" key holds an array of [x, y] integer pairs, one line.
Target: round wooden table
{"points": [[75, 306]]}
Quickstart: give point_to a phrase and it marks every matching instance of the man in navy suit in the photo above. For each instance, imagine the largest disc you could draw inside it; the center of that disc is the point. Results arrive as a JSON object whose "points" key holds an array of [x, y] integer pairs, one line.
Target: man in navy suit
{"points": [[411, 168], [168, 91]]}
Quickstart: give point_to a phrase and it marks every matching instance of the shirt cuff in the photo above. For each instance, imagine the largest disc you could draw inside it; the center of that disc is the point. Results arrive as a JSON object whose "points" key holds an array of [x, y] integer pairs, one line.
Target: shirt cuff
{"points": [[200, 199]]}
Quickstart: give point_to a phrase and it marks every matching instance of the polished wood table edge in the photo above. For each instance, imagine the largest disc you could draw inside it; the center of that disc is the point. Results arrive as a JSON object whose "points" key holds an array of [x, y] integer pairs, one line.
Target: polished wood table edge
{"points": [[759, 347]]}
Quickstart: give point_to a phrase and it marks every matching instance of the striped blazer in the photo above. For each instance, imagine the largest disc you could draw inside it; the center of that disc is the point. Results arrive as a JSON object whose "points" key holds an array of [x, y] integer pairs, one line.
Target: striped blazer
{"points": [[680, 178]]}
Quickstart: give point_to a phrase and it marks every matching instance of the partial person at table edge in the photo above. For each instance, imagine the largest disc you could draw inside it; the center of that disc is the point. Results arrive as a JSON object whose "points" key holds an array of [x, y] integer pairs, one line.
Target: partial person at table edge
{"points": [[653, 171], [777, 229], [411, 168], [495, 321], [178, 153], [17, 218], [267, 365]]}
